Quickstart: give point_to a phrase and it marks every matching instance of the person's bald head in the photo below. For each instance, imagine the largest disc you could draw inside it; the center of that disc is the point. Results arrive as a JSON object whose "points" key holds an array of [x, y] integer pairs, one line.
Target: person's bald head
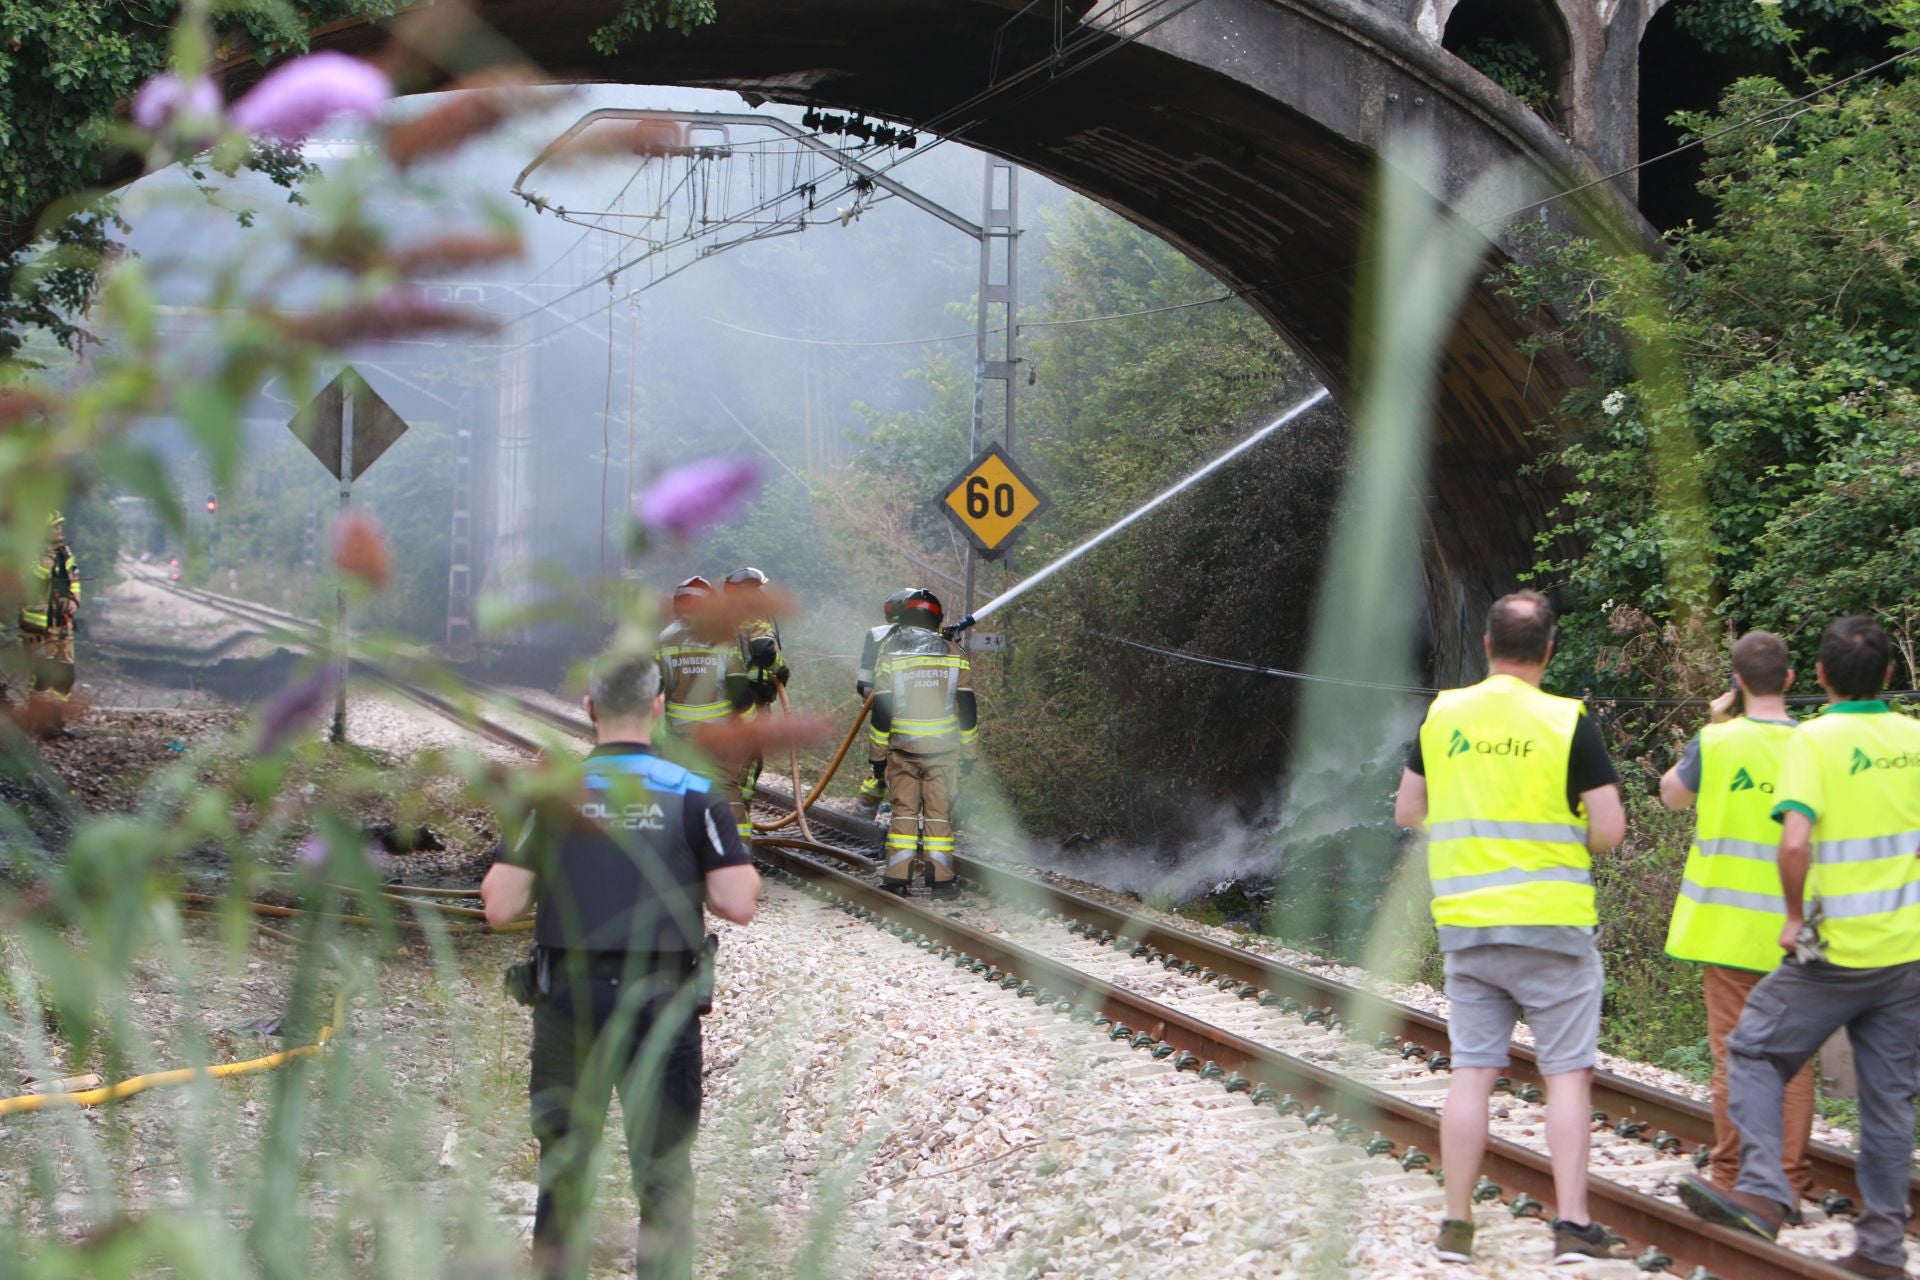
{"points": [[1520, 629]]}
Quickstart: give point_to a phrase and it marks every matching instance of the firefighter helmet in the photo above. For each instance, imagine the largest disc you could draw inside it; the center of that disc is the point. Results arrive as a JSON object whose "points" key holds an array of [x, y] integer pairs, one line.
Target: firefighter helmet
{"points": [[890, 607], [694, 588], [921, 608], [746, 579]]}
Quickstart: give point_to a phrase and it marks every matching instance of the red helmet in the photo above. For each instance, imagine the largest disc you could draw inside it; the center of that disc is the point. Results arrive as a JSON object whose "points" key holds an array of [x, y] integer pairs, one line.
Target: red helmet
{"points": [[920, 608], [890, 607], [694, 588]]}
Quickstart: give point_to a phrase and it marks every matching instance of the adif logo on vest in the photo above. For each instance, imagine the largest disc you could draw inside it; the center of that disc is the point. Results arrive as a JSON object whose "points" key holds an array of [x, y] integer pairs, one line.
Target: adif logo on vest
{"points": [[1861, 760], [1510, 747], [1743, 781]]}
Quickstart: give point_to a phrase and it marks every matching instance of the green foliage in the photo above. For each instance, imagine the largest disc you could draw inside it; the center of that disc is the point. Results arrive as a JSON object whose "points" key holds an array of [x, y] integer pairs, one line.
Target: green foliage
{"points": [[642, 16], [1747, 444], [1652, 1002], [1514, 66], [1117, 411], [65, 71], [1744, 26]]}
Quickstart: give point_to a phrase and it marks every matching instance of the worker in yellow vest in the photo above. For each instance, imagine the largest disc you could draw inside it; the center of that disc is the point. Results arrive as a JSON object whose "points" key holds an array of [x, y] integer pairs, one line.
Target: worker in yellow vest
{"points": [[1728, 915], [1848, 803], [1515, 791]]}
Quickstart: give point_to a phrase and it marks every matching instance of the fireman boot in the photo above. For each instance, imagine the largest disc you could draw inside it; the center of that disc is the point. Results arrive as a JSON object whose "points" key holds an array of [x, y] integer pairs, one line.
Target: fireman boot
{"points": [[936, 816]]}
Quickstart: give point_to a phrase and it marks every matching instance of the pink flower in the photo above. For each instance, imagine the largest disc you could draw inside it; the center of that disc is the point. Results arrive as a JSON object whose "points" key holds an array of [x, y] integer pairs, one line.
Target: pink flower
{"points": [[688, 499], [166, 98], [297, 98]]}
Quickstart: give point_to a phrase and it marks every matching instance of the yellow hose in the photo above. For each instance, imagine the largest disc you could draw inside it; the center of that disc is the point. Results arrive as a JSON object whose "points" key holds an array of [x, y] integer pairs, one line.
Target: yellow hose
{"points": [[825, 778], [181, 1075]]}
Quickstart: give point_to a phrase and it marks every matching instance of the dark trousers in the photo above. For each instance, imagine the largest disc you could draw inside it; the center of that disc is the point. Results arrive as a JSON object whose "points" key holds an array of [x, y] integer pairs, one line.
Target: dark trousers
{"points": [[579, 1061], [1788, 1017]]}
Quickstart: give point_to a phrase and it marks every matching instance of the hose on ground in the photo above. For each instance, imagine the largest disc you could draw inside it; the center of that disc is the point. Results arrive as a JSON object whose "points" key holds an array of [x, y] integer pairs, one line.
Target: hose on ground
{"points": [[290, 913], [181, 1075], [800, 806]]}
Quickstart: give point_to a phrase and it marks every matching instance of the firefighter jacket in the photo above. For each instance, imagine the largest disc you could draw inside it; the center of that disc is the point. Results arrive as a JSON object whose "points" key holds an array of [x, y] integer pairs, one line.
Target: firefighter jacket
{"points": [[693, 674], [870, 654], [923, 695], [56, 590]]}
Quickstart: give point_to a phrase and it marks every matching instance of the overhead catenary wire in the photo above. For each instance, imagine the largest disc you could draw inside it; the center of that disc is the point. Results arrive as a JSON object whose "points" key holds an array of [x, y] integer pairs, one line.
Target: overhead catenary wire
{"points": [[1426, 691], [970, 334]]}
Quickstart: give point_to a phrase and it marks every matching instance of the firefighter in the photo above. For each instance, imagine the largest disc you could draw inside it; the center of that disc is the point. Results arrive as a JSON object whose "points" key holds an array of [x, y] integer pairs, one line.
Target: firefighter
{"points": [[693, 668], [761, 673], [874, 788], [924, 714], [46, 617]]}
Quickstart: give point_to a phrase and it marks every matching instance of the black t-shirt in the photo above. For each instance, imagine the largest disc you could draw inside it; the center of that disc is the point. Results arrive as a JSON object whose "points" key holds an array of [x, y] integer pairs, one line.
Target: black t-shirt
{"points": [[628, 870], [1587, 763]]}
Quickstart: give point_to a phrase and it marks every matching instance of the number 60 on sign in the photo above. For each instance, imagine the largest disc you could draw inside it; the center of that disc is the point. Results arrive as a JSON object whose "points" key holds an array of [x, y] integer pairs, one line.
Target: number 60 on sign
{"points": [[990, 499]]}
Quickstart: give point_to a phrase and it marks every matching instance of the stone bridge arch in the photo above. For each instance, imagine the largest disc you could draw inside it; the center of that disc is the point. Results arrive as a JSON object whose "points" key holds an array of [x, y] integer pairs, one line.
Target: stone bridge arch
{"points": [[1242, 131]]}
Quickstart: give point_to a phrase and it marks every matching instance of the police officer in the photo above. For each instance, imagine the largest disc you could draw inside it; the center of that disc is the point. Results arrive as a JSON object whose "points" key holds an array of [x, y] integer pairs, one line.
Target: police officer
{"points": [[873, 789], [620, 881], [761, 673], [46, 617], [1516, 793], [925, 715], [1848, 801], [1728, 915]]}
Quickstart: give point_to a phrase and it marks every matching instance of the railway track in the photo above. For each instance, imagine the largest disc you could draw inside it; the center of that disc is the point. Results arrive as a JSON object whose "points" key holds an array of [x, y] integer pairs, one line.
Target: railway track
{"points": [[1278, 1007], [1375, 1122]]}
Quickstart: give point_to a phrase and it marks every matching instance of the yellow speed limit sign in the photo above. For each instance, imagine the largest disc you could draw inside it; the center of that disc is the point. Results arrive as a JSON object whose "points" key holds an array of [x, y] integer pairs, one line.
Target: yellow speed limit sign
{"points": [[991, 499]]}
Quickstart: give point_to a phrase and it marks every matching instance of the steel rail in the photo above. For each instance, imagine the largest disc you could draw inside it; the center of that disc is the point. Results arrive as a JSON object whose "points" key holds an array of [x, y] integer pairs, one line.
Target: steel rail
{"points": [[1625, 1101], [1262, 1071]]}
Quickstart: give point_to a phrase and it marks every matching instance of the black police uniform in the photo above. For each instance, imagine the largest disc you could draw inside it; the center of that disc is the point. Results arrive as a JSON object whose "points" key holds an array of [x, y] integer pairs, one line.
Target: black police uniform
{"points": [[619, 933]]}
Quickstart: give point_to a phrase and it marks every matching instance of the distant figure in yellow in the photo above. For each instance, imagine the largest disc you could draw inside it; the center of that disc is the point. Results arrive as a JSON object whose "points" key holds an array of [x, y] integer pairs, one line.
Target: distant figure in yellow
{"points": [[46, 618]]}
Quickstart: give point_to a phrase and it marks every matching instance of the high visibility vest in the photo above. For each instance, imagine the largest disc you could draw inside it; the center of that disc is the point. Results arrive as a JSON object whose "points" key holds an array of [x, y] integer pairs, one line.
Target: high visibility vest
{"points": [[1855, 769], [1730, 910], [1502, 846], [693, 673]]}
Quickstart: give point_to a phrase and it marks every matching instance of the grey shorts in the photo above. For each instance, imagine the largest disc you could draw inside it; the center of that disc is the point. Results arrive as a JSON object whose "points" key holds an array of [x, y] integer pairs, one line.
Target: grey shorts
{"points": [[1558, 996]]}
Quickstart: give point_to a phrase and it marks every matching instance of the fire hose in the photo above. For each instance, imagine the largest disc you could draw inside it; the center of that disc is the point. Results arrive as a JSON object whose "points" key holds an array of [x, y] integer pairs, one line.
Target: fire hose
{"points": [[181, 1075], [802, 805]]}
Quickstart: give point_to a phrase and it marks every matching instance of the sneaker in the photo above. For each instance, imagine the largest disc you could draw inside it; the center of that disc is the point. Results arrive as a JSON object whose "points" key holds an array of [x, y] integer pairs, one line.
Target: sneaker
{"points": [[1582, 1244], [1740, 1210], [1455, 1241], [1861, 1266]]}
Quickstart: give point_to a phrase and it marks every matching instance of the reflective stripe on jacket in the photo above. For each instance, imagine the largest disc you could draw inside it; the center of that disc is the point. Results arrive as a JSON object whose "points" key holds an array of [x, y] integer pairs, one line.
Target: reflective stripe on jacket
{"points": [[1503, 848], [1730, 911], [35, 611], [693, 675], [1856, 769], [922, 676]]}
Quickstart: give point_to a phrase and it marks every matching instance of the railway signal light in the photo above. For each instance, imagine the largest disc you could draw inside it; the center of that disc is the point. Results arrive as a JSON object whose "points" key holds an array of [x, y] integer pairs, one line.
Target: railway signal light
{"points": [[213, 505]]}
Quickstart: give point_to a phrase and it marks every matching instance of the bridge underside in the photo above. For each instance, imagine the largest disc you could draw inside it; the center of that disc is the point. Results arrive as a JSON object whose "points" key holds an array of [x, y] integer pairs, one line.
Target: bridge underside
{"points": [[1244, 131]]}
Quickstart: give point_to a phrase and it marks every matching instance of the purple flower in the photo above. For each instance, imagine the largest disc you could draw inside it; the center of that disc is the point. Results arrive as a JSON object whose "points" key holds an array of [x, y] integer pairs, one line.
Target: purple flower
{"points": [[688, 499], [295, 708], [297, 98], [167, 97], [315, 852]]}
